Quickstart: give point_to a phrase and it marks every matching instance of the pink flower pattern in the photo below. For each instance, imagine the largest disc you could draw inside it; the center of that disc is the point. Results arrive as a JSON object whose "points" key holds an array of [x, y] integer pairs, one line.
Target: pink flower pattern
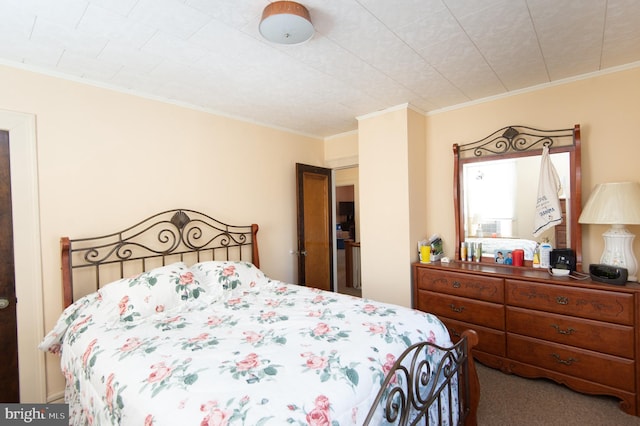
{"points": [[229, 271], [87, 352], [376, 328], [159, 372], [321, 329], [252, 337], [186, 279], [315, 362], [110, 391], [123, 304], [267, 315], [214, 321], [80, 324], [369, 308], [131, 344], [199, 338], [249, 362], [319, 415]]}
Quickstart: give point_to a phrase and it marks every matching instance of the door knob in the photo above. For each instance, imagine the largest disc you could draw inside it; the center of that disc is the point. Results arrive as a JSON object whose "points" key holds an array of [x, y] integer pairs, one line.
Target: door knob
{"points": [[4, 302]]}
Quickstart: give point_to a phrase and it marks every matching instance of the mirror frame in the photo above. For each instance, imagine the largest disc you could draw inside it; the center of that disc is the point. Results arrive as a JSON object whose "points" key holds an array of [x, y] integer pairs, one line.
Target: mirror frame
{"points": [[516, 142]]}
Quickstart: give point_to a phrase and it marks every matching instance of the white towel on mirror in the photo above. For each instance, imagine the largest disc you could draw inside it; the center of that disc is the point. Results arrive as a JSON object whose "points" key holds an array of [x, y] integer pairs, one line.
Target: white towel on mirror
{"points": [[548, 212]]}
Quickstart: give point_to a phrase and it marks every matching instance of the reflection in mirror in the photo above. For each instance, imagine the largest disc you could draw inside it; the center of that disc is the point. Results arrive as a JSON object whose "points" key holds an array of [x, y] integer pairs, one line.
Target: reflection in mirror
{"points": [[500, 199], [496, 182]]}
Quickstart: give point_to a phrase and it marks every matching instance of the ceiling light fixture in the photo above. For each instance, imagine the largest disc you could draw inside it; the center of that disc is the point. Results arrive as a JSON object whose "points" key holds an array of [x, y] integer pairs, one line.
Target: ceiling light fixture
{"points": [[286, 22]]}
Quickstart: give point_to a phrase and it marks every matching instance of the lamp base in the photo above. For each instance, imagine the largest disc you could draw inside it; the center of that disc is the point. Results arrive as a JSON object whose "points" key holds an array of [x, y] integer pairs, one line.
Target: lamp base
{"points": [[618, 250]]}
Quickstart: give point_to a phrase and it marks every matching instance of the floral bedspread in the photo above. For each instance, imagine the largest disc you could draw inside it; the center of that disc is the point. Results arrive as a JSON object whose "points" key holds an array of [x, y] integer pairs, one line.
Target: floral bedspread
{"points": [[227, 345]]}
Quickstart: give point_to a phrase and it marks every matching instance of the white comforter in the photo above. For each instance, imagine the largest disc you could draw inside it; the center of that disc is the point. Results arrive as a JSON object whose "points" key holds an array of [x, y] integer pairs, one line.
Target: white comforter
{"points": [[233, 348]]}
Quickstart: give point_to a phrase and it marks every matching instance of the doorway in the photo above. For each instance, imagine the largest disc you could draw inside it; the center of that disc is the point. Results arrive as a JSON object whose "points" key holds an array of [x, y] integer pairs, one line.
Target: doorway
{"points": [[27, 252], [315, 248], [328, 255], [10, 389], [347, 240]]}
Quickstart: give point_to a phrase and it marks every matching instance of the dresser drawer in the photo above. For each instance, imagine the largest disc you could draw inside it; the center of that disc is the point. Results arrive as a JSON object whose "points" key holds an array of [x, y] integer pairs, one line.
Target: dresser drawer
{"points": [[598, 336], [602, 305], [472, 311], [489, 340], [601, 368], [490, 289]]}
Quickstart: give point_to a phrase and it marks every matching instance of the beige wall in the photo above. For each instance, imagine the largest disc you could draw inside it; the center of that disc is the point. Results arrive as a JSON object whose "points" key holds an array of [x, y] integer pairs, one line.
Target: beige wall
{"points": [[419, 206], [393, 197], [112, 159], [385, 144], [341, 150]]}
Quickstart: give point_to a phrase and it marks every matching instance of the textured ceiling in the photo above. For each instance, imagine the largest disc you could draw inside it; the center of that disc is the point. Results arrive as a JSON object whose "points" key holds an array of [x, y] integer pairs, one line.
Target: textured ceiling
{"points": [[365, 55]]}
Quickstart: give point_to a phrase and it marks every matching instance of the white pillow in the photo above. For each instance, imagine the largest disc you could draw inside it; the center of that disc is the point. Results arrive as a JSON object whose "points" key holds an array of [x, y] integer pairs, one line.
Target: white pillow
{"points": [[157, 290], [218, 276]]}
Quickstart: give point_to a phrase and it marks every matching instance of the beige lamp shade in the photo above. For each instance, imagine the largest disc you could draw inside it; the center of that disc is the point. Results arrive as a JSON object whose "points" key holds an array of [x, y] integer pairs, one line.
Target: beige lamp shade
{"points": [[616, 204], [613, 203]]}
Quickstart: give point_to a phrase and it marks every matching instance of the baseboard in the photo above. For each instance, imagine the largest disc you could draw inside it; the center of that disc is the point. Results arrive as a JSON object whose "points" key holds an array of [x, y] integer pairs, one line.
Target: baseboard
{"points": [[56, 398]]}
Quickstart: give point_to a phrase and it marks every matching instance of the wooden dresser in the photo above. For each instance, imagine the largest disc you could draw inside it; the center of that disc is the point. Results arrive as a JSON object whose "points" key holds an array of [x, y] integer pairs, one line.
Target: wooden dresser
{"points": [[582, 334]]}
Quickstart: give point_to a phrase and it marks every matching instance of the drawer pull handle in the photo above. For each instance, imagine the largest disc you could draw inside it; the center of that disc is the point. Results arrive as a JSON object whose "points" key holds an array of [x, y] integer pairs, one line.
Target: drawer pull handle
{"points": [[562, 300], [454, 332], [559, 360], [456, 284], [454, 309], [567, 332]]}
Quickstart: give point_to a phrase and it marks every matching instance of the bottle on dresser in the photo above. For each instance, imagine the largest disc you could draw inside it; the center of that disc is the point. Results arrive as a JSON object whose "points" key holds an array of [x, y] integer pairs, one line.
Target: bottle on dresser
{"points": [[536, 256], [545, 254]]}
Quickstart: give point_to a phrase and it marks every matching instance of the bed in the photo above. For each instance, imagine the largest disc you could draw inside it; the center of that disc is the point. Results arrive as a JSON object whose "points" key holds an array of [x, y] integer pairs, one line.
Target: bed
{"points": [[171, 321]]}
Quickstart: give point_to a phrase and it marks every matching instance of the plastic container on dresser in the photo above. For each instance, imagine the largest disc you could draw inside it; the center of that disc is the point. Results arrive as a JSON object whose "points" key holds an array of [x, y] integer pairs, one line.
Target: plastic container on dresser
{"points": [[580, 333]]}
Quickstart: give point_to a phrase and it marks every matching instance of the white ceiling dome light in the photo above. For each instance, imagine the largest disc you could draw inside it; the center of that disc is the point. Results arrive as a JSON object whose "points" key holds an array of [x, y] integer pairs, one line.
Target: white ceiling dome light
{"points": [[286, 22]]}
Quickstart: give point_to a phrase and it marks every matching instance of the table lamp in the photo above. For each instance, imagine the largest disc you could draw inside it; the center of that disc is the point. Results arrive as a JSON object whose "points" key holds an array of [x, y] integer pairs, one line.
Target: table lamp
{"points": [[616, 204]]}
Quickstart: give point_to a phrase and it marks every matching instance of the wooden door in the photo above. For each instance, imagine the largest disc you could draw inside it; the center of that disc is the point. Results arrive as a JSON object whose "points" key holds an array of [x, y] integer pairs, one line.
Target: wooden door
{"points": [[315, 225], [9, 391]]}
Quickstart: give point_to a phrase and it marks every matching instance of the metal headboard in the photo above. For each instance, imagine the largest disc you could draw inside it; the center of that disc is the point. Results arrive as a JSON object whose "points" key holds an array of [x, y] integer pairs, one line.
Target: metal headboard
{"points": [[166, 237]]}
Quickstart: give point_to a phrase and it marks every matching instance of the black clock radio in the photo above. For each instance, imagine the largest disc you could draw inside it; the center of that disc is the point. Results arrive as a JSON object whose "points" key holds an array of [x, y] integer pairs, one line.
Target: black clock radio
{"points": [[608, 274]]}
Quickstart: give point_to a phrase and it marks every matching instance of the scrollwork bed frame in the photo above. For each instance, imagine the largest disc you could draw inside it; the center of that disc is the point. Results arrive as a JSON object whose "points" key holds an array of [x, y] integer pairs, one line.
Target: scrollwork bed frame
{"points": [[188, 235], [169, 236], [413, 386]]}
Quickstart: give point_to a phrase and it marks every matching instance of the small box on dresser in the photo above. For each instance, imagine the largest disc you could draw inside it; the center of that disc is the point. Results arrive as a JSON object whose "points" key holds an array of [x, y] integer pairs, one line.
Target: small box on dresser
{"points": [[580, 333]]}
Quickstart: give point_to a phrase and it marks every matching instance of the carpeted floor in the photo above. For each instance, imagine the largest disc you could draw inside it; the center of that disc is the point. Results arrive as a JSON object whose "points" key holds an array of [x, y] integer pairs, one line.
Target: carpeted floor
{"points": [[510, 400]]}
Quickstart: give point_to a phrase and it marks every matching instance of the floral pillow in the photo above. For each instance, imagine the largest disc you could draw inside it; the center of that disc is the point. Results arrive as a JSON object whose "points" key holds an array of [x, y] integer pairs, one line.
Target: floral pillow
{"points": [[219, 276], [157, 290]]}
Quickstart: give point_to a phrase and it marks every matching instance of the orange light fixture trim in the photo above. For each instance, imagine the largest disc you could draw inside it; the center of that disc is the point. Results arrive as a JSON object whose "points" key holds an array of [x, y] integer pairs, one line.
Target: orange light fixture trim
{"points": [[286, 22]]}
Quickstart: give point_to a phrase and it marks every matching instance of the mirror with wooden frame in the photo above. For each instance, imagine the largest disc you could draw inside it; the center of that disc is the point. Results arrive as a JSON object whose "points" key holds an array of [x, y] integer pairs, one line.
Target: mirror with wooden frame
{"points": [[496, 188]]}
